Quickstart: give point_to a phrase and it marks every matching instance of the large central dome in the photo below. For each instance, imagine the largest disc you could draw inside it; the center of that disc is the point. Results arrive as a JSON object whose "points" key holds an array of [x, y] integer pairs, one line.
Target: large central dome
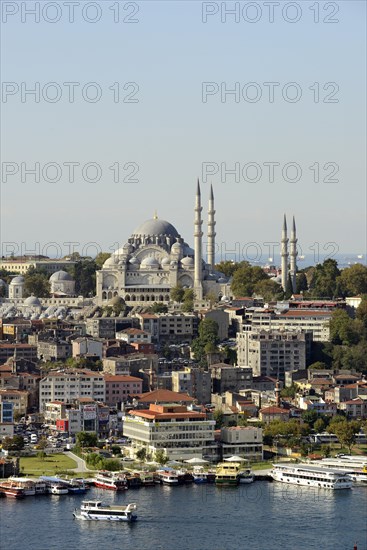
{"points": [[157, 227]]}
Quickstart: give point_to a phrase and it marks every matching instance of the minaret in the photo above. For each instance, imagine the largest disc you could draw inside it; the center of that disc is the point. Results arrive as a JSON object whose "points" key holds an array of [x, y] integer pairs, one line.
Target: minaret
{"points": [[198, 235], [284, 254], [211, 231], [293, 255]]}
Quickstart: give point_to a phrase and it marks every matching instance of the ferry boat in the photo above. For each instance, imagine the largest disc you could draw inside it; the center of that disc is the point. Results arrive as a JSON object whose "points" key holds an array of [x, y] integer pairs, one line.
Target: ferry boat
{"points": [[227, 474], [95, 510], [184, 477], [9, 490], [147, 479], [355, 469], [114, 481], [168, 477], [203, 476], [30, 486], [311, 476], [55, 485], [76, 486]]}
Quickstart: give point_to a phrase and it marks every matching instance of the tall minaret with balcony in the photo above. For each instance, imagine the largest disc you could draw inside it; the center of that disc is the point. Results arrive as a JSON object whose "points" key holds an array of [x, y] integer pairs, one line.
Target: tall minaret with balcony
{"points": [[211, 231], [198, 235], [293, 255], [284, 254]]}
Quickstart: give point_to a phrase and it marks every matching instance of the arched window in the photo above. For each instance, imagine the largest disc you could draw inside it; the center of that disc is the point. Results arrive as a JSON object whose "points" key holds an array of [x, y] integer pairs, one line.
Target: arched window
{"points": [[109, 295], [166, 297], [133, 298], [161, 298], [142, 298], [115, 293], [152, 298], [147, 298], [127, 298]]}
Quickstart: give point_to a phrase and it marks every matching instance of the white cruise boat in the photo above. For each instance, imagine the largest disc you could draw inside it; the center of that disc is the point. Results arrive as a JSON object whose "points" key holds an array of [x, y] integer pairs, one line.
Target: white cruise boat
{"points": [[355, 469], [115, 481], [95, 510], [311, 476]]}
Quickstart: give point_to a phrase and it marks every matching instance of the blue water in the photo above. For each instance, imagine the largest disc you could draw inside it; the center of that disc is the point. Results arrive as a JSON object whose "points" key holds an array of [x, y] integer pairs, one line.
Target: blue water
{"points": [[261, 516]]}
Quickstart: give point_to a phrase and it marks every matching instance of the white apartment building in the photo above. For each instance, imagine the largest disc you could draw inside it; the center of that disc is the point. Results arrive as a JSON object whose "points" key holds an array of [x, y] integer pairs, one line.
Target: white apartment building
{"points": [[179, 432], [245, 441], [272, 352], [316, 320], [68, 385]]}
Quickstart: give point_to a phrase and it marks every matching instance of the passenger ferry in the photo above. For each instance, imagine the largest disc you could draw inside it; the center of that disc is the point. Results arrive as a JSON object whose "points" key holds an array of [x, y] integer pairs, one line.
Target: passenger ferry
{"points": [[203, 476], [246, 476], [227, 474], [9, 490], [168, 477], [95, 510], [30, 486], [111, 480], [355, 469], [311, 476]]}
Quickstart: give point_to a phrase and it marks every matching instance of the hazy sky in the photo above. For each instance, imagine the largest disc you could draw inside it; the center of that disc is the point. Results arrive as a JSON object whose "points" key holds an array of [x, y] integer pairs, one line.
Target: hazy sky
{"points": [[157, 119]]}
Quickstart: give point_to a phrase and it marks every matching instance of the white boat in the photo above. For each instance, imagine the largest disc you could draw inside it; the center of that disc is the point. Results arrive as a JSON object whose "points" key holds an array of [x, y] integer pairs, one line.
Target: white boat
{"points": [[30, 486], [311, 476], [168, 477], [355, 469], [55, 485], [95, 510], [246, 476]]}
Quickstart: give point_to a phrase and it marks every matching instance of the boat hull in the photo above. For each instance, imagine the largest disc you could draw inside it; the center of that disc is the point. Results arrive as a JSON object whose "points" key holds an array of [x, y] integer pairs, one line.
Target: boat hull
{"points": [[92, 517]]}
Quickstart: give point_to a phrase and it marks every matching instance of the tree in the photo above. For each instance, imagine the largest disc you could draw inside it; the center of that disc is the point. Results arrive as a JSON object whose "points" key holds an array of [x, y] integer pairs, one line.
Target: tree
{"points": [[208, 334], [15, 443], [84, 274], [289, 391], [160, 457], [343, 329], [158, 307], [319, 365], [269, 290], [346, 433], [219, 418], [323, 283], [309, 417], [141, 454], [246, 278], [177, 293], [361, 312], [319, 426], [228, 267], [41, 455], [301, 283], [36, 283], [353, 280], [289, 288], [87, 439]]}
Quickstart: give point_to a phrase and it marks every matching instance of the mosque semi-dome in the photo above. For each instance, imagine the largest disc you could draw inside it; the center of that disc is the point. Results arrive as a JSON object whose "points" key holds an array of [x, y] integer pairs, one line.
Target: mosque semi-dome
{"points": [[60, 276], [187, 261], [32, 301], [156, 227], [17, 280], [149, 262]]}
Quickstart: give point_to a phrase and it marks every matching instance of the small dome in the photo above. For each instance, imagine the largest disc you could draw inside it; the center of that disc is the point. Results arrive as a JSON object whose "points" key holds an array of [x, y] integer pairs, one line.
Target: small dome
{"points": [[187, 262], [116, 301], [165, 261], [222, 280], [176, 247], [17, 280], [134, 261], [32, 301], [60, 276], [111, 261], [149, 262]]}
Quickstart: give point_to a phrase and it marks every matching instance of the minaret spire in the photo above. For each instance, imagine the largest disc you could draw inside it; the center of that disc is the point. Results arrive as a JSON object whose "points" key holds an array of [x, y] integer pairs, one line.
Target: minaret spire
{"points": [[293, 255], [198, 235], [284, 254], [211, 231]]}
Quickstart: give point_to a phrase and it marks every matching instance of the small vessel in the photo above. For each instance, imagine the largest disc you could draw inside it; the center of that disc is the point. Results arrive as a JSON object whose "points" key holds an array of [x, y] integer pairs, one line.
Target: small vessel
{"points": [[133, 480], [311, 476], [30, 486], [115, 481], [55, 485], [246, 476], [227, 474], [147, 479], [9, 490], [96, 510], [168, 477], [184, 477], [203, 476], [76, 486]]}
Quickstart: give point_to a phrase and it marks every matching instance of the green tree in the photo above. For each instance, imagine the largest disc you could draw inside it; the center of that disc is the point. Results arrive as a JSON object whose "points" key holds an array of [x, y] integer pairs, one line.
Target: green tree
{"points": [[301, 283], [346, 433], [343, 329], [353, 280], [228, 267], [84, 274], [309, 417], [319, 365], [177, 293], [323, 284], [36, 283], [160, 457], [319, 425], [141, 454], [15, 443], [219, 418], [207, 341], [86, 439], [246, 278], [361, 312], [269, 290], [158, 307], [289, 288]]}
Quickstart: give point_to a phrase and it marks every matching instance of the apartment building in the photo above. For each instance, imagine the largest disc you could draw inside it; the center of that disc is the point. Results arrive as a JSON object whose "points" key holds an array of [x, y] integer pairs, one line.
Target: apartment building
{"points": [[120, 387], [195, 382], [69, 385], [174, 429]]}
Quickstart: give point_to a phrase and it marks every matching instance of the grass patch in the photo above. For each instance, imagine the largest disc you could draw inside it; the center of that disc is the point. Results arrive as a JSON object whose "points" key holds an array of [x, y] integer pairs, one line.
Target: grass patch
{"points": [[50, 465], [266, 465]]}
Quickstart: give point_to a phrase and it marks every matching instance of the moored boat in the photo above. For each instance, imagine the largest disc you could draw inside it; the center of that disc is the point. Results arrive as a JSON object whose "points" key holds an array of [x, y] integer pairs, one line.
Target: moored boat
{"points": [[227, 474], [311, 476], [115, 481], [203, 476], [168, 477], [147, 479], [96, 510], [246, 476], [9, 490]]}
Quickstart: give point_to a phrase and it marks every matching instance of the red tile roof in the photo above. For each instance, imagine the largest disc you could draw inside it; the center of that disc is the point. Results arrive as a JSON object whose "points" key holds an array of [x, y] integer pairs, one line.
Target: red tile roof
{"points": [[163, 396]]}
